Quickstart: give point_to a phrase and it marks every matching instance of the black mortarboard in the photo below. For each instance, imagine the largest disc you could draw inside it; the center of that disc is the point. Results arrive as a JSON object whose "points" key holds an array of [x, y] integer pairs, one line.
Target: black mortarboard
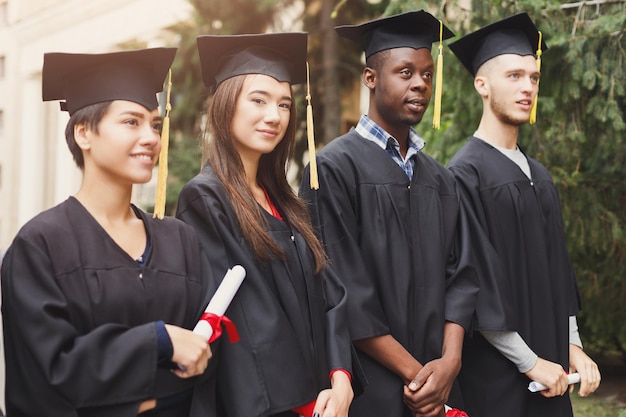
{"points": [[84, 79], [513, 35], [279, 55], [416, 29]]}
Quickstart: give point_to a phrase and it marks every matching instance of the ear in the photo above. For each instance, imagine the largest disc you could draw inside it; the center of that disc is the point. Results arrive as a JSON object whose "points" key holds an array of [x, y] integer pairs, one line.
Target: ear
{"points": [[369, 78], [82, 136], [481, 84]]}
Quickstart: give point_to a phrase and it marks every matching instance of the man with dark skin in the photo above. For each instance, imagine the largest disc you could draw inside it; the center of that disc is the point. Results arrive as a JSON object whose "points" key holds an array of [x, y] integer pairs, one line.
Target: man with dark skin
{"points": [[390, 219]]}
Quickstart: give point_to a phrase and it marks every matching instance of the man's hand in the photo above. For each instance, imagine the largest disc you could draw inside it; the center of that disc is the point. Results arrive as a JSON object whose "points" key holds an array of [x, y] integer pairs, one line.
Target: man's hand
{"points": [[550, 374], [586, 368]]}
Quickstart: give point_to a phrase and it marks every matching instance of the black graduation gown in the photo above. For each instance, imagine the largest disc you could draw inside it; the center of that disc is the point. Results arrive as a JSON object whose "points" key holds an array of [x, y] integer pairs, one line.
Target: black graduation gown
{"points": [[522, 219], [393, 242], [79, 314], [292, 323]]}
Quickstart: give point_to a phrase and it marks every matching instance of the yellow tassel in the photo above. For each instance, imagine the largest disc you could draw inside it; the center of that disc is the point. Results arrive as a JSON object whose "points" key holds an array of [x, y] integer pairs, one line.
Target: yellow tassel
{"points": [[161, 188], [439, 81], [310, 134], [533, 110]]}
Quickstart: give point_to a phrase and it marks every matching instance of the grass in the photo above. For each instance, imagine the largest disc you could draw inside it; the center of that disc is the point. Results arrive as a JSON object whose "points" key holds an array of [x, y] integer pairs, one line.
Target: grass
{"points": [[596, 407]]}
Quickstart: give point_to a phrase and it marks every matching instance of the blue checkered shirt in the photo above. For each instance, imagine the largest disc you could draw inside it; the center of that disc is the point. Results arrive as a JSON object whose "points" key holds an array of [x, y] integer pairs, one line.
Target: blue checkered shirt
{"points": [[372, 132]]}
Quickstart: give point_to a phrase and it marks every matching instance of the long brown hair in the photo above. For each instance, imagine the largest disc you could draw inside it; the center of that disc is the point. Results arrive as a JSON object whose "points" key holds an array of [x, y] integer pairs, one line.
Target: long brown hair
{"points": [[221, 154]]}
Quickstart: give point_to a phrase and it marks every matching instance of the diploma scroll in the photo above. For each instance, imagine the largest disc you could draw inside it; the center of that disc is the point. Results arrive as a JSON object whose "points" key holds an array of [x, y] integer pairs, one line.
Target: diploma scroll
{"points": [[220, 301], [535, 386]]}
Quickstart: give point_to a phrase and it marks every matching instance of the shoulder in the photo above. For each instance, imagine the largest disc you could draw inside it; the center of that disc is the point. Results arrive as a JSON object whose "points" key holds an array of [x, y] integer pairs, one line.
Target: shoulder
{"points": [[473, 150], [53, 223], [345, 146]]}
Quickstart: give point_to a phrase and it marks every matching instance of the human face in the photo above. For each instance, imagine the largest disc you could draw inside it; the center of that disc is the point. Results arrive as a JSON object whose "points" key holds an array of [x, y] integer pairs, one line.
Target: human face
{"points": [[401, 87], [513, 83], [261, 115], [126, 145]]}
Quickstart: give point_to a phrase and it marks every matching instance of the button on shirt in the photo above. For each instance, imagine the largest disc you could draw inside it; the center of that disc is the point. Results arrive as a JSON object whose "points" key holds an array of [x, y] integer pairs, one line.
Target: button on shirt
{"points": [[369, 130]]}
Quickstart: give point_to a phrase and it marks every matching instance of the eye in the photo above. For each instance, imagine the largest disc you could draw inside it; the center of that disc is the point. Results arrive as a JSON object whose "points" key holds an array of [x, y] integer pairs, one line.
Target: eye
{"points": [[534, 79], [285, 105], [427, 75], [406, 72], [257, 100], [132, 122], [157, 126], [514, 76]]}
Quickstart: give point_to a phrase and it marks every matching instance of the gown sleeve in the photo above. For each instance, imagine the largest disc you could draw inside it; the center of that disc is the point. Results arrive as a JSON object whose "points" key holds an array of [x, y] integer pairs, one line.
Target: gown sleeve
{"points": [[334, 218], [111, 364], [492, 312]]}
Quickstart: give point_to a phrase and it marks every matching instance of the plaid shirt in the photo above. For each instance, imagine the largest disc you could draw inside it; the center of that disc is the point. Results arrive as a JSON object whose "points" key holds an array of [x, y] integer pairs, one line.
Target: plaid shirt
{"points": [[369, 130]]}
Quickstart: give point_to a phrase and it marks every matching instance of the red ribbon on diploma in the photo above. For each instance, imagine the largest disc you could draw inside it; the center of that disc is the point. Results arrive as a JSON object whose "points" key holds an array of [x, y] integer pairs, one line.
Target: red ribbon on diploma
{"points": [[216, 324], [455, 412]]}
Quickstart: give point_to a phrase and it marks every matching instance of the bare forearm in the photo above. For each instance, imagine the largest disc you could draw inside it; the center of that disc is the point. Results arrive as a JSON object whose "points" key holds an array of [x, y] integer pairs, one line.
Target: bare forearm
{"points": [[391, 354]]}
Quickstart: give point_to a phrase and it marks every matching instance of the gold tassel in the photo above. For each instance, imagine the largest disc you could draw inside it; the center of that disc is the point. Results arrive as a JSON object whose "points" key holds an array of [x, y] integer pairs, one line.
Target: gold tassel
{"points": [[161, 188], [439, 81], [533, 110], [310, 134]]}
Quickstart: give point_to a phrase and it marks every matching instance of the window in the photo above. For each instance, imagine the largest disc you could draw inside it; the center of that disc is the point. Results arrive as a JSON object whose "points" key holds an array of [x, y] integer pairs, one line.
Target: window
{"points": [[2, 66]]}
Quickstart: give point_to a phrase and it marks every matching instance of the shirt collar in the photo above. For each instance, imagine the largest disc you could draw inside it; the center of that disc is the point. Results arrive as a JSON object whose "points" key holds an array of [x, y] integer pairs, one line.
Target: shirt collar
{"points": [[371, 131]]}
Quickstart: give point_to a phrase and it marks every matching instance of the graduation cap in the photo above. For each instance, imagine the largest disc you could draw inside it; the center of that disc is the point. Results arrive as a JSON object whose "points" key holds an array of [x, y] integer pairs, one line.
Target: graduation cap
{"points": [[282, 56], [84, 79], [416, 29], [516, 35]]}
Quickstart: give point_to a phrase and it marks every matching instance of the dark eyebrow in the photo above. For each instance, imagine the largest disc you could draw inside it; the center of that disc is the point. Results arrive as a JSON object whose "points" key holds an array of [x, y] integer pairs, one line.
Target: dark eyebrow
{"points": [[139, 115], [265, 93]]}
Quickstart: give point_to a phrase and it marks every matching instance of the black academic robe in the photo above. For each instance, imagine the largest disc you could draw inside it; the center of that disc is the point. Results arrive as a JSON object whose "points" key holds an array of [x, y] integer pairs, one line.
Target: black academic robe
{"points": [[292, 323], [522, 219], [395, 244], [79, 314]]}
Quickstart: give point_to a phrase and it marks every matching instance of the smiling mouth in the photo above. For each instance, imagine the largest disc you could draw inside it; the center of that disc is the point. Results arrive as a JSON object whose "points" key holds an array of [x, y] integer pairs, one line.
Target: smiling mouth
{"points": [[142, 157]]}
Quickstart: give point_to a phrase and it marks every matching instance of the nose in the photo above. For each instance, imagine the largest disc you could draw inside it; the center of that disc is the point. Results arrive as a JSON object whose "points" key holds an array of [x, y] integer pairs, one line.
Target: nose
{"points": [[528, 85], [418, 83], [149, 136], [271, 114]]}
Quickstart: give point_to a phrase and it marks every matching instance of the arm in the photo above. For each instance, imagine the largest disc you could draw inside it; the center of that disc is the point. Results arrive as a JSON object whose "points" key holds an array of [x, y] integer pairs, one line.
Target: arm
{"points": [[514, 348], [391, 354], [106, 363]]}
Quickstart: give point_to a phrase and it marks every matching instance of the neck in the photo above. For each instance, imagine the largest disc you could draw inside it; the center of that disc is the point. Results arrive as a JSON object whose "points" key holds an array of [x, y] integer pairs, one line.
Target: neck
{"points": [[400, 133], [106, 201], [497, 133]]}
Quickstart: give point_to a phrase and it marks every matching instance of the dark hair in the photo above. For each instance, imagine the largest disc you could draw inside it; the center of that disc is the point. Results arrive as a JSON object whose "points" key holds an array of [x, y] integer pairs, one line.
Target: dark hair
{"points": [[376, 60], [221, 154], [90, 116]]}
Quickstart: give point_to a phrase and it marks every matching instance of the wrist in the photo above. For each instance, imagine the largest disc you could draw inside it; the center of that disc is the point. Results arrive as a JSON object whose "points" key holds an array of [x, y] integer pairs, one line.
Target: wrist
{"points": [[340, 376]]}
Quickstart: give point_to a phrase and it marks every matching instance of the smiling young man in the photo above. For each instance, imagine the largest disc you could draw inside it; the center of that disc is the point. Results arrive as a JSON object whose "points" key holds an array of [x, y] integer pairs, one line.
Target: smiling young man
{"points": [[535, 335], [390, 220]]}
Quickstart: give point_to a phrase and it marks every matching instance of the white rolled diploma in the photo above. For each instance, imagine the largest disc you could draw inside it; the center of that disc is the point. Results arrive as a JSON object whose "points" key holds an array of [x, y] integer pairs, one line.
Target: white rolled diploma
{"points": [[535, 386], [221, 299]]}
